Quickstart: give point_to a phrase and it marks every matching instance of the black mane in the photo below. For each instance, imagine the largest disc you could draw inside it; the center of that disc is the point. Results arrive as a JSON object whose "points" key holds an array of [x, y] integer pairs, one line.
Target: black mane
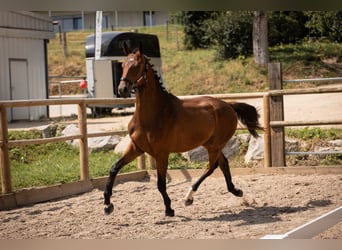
{"points": [[158, 78]]}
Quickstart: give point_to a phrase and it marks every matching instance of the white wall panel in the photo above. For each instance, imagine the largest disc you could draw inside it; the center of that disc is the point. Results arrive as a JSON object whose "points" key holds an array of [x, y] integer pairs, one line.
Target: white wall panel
{"points": [[22, 37]]}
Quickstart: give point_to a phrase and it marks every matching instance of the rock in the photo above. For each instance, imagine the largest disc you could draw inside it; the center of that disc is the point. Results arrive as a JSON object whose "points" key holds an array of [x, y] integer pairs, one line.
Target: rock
{"points": [[244, 138], [232, 147], [200, 154], [122, 145], [94, 143], [255, 150], [291, 145], [323, 149], [48, 131], [103, 143], [71, 129], [336, 143]]}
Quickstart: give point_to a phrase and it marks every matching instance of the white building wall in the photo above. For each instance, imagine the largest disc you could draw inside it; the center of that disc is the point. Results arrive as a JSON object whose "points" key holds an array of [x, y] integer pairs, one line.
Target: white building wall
{"points": [[161, 17], [22, 37], [130, 19], [31, 50], [126, 18]]}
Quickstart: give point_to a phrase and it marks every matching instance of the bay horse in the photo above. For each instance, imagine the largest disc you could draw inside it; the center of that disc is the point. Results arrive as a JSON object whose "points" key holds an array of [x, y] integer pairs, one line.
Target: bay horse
{"points": [[163, 123]]}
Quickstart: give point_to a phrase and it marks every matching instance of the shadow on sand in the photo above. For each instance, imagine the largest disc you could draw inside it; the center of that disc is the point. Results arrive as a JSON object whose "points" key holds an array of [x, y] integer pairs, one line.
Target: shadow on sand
{"points": [[264, 214]]}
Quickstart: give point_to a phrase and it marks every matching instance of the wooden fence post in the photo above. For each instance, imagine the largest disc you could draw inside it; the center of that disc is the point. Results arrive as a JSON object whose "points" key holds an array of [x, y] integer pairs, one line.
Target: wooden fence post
{"points": [[141, 162], [151, 162], [6, 183], [276, 114], [267, 136], [82, 124]]}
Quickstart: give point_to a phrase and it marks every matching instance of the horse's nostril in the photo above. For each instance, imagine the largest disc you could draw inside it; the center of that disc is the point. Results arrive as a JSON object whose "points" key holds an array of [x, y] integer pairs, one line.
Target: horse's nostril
{"points": [[125, 89]]}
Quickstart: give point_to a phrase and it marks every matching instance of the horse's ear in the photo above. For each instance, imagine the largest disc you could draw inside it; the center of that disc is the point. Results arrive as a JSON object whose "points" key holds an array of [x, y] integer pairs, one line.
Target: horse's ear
{"points": [[141, 48], [126, 49]]}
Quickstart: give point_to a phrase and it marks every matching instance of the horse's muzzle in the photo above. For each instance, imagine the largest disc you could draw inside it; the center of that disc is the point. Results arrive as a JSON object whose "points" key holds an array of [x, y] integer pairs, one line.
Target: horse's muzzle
{"points": [[124, 88]]}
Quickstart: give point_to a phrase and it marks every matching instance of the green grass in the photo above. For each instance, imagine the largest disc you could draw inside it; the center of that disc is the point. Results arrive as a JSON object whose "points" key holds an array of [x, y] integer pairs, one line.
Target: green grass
{"points": [[54, 163], [314, 133], [197, 72], [314, 137]]}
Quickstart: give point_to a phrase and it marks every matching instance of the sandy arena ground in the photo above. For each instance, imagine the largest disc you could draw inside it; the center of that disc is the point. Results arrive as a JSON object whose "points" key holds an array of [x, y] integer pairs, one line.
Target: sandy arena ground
{"points": [[272, 204]]}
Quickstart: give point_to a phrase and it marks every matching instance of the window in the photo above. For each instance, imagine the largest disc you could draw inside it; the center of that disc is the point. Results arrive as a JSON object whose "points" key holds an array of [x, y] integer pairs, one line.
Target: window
{"points": [[148, 18], [77, 23]]}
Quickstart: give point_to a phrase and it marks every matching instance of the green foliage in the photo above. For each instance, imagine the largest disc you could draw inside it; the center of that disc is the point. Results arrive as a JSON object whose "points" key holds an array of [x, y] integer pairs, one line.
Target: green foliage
{"points": [[177, 161], [286, 27], [325, 24], [307, 60], [305, 51], [311, 138], [231, 33], [315, 133], [195, 29]]}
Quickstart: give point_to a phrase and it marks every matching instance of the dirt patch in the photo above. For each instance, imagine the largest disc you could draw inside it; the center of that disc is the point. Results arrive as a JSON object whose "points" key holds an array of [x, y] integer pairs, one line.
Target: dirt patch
{"points": [[273, 204]]}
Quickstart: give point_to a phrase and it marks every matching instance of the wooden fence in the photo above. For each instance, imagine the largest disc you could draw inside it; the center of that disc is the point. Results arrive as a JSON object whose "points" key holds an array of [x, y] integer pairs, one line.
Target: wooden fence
{"points": [[273, 122], [276, 124]]}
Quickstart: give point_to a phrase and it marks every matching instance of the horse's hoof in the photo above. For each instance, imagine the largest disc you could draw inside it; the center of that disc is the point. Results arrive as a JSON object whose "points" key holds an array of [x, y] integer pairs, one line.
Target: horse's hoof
{"points": [[109, 209], [238, 192], [170, 213], [189, 202]]}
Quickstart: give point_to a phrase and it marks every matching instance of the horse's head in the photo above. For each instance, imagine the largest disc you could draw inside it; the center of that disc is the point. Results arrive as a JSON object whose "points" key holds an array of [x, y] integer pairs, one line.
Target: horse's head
{"points": [[133, 72]]}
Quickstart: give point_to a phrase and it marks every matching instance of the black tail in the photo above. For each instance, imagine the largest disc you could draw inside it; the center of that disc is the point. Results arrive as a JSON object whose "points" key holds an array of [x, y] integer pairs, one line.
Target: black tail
{"points": [[248, 115]]}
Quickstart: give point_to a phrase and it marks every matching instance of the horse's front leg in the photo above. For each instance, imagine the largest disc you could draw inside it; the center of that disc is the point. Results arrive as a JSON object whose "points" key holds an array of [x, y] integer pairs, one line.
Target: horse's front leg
{"points": [[162, 162], [130, 154]]}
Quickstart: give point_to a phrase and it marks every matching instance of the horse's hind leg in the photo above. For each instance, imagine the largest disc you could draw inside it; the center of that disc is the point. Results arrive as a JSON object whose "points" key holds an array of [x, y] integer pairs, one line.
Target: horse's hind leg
{"points": [[224, 166], [213, 163], [130, 154]]}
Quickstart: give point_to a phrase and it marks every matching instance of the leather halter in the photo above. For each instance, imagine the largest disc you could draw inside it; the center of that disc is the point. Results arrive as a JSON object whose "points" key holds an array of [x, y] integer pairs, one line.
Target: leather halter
{"points": [[143, 76]]}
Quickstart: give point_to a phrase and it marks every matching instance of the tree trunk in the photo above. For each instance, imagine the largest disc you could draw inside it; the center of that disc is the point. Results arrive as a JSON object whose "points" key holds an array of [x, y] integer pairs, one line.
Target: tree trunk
{"points": [[260, 38]]}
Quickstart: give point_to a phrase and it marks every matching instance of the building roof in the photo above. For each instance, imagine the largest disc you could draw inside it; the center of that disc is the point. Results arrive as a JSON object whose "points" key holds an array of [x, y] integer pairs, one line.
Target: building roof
{"points": [[25, 24]]}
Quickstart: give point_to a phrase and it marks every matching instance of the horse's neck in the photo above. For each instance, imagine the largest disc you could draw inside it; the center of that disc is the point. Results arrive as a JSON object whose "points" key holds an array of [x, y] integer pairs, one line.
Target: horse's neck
{"points": [[150, 100]]}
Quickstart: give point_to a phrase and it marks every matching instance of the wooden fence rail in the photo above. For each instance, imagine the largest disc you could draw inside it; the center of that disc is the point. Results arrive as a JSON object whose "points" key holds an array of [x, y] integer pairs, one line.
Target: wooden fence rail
{"points": [[276, 123], [82, 136], [273, 123]]}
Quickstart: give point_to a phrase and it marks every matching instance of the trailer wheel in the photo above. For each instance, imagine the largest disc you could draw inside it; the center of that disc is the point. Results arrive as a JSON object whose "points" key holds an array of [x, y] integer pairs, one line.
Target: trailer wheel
{"points": [[99, 112]]}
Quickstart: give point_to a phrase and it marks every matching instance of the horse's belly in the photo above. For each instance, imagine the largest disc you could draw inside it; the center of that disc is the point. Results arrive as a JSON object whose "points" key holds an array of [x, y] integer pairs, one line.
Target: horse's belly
{"points": [[187, 139]]}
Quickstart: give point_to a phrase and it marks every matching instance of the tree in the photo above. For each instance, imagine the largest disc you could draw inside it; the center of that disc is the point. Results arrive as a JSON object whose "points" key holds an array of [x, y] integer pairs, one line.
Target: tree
{"points": [[325, 24], [231, 33], [286, 27], [243, 33], [260, 38], [195, 28]]}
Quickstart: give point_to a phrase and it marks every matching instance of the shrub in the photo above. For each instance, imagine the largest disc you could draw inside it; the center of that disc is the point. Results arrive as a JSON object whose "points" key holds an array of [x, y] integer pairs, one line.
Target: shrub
{"points": [[231, 32], [195, 29]]}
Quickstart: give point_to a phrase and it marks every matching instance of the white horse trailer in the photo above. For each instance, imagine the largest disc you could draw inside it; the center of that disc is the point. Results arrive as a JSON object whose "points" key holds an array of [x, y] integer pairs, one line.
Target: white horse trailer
{"points": [[103, 74]]}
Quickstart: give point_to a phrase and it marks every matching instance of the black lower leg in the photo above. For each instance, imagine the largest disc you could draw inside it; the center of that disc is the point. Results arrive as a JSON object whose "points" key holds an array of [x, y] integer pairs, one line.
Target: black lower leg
{"points": [[110, 182], [207, 172], [224, 166], [167, 201]]}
